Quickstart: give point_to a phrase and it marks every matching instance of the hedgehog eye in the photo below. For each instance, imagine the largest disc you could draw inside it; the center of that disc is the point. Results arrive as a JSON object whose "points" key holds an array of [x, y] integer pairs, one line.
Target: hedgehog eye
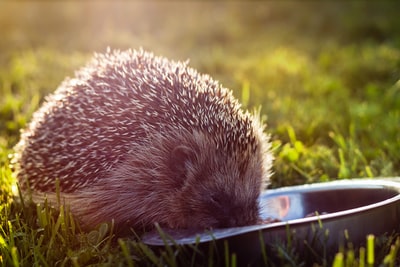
{"points": [[179, 158]]}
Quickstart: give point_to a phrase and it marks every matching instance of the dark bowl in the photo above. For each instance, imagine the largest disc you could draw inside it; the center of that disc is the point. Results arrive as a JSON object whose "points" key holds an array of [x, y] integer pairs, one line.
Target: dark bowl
{"points": [[325, 215]]}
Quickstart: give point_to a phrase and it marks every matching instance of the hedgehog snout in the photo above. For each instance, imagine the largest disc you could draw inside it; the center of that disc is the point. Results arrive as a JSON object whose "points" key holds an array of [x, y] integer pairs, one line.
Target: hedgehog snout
{"points": [[234, 216], [230, 212]]}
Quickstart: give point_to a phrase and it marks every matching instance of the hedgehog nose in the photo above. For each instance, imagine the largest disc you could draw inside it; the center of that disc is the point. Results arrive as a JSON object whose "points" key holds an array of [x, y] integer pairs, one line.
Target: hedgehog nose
{"points": [[226, 222], [232, 221]]}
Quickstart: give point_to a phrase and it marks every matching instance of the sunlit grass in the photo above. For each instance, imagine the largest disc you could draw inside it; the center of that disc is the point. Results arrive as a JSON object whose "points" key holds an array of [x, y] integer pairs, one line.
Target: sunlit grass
{"points": [[366, 256]]}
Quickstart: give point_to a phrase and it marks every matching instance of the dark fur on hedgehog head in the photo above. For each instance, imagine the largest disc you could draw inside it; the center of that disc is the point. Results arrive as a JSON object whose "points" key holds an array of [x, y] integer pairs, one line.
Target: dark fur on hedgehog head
{"points": [[139, 139]]}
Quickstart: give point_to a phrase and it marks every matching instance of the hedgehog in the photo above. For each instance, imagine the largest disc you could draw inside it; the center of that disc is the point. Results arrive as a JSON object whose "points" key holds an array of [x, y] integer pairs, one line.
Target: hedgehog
{"points": [[138, 139]]}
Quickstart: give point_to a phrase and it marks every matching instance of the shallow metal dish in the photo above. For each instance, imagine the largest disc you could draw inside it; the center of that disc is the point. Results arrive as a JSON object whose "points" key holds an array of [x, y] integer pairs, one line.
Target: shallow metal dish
{"points": [[359, 207]]}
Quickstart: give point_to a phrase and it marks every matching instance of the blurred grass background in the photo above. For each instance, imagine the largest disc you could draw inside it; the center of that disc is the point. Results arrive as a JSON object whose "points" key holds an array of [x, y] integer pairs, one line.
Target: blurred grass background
{"points": [[325, 74]]}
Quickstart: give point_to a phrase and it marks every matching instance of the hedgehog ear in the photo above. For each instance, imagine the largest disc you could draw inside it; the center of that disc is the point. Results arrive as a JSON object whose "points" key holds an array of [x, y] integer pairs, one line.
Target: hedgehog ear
{"points": [[179, 157]]}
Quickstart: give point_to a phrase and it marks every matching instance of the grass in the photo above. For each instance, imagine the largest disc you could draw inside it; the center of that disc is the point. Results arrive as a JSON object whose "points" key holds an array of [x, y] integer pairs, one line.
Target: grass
{"points": [[326, 76]]}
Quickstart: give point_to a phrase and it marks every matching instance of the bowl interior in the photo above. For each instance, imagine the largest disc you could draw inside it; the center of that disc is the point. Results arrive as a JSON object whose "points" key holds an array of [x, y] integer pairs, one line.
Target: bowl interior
{"points": [[301, 202]]}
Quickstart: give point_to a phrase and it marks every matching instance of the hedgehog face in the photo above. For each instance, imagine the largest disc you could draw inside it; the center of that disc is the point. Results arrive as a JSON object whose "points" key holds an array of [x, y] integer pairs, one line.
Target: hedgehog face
{"points": [[216, 189], [217, 206]]}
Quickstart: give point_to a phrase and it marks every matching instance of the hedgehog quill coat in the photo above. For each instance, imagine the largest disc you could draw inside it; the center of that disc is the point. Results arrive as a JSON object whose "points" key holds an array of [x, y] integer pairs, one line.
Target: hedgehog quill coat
{"points": [[139, 139]]}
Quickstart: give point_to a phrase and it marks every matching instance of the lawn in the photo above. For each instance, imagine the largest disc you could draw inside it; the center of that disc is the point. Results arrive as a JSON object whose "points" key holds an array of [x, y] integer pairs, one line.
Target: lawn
{"points": [[326, 77]]}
